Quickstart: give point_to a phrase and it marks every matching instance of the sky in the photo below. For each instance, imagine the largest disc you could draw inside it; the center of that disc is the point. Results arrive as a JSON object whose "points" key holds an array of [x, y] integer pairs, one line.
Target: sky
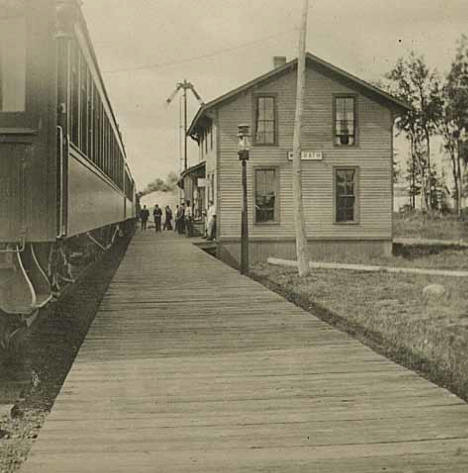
{"points": [[144, 47]]}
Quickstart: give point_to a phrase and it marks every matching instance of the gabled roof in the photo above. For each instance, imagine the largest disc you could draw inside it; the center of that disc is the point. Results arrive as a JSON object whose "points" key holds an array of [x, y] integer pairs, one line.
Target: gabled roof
{"points": [[392, 102]]}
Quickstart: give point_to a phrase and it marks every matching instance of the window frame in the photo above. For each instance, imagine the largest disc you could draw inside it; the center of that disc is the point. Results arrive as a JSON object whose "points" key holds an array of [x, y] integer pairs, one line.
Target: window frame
{"points": [[17, 115], [255, 98], [357, 200], [355, 97], [277, 210]]}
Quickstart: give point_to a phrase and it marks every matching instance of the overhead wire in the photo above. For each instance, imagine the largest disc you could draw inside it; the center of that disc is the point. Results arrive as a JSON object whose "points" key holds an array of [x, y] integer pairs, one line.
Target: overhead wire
{"points": [[196, 58]]}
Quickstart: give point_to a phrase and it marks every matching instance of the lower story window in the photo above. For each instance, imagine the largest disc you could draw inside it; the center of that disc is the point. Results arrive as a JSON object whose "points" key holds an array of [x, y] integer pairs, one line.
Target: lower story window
{"points": [[266, 195], [346, 195]]}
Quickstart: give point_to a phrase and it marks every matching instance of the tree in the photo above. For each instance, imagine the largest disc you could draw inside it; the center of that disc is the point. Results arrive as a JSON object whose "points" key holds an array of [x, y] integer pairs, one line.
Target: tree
{"points": [[455, 124], [413, 82], [161, 185]]}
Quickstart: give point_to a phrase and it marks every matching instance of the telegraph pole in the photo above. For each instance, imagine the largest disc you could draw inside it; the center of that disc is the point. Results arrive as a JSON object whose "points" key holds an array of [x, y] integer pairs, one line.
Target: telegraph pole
{"points": [[185, 125], [301, 237]]}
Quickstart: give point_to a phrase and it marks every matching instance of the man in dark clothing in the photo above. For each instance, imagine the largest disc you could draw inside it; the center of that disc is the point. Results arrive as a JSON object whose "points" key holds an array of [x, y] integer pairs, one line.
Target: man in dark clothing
{"points": [[144, 215], [180, 219], [189, 219], [157, 214], [168, 218]]}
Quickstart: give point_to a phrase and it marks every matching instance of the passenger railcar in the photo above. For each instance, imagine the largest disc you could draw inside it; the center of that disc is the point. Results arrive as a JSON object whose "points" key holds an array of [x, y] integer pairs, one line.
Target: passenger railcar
{"points": [[65, 185]]}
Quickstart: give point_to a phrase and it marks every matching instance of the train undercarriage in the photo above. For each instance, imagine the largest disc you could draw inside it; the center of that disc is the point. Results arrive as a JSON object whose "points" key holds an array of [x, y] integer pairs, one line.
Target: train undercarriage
{"points": [[32, 275]]}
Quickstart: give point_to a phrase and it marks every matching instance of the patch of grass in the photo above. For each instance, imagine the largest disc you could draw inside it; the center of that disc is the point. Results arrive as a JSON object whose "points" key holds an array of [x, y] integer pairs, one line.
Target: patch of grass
{"points": [[435, 226], [389, 312], [445, 259]]}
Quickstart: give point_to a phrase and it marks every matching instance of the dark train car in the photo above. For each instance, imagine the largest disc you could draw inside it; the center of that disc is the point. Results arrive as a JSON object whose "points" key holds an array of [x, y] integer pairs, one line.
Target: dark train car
{"points": [[64, 180]]}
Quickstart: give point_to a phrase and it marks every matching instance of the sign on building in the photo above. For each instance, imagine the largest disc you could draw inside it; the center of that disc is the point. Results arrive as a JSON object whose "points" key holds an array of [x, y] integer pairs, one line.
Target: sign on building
{"points": [[308, 156]]}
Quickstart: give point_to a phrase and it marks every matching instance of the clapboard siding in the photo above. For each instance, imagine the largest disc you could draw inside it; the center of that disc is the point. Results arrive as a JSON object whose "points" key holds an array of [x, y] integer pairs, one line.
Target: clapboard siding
{"points": [[210, 159], [372, 155]]}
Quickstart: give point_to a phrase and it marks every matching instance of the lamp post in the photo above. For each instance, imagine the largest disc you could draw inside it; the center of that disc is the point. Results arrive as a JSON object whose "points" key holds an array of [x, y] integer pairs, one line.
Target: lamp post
{"points": [[243, 153]]}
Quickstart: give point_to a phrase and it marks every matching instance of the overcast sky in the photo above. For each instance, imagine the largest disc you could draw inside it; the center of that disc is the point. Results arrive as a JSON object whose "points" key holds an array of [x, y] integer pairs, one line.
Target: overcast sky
{"points": [[145, 47]]}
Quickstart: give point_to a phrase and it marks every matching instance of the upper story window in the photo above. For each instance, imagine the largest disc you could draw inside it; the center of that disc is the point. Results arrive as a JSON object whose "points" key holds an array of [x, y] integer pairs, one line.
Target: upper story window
{"points": [[12, 64], [266, 195], [345, 121], [265, 120], [346, 195]]}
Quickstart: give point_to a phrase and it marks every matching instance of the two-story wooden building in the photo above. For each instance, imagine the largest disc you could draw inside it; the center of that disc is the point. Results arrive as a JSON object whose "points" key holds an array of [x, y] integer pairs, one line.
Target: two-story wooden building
{"points": [[347, 162]]}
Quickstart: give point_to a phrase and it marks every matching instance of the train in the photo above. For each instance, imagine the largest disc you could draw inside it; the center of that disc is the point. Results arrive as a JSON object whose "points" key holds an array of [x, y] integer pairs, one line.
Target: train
{"points": [[66, 189]]}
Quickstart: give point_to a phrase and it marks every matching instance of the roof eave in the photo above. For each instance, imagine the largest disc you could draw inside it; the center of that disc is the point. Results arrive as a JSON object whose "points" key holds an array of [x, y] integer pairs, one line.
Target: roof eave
{"points": [[398, 107]]}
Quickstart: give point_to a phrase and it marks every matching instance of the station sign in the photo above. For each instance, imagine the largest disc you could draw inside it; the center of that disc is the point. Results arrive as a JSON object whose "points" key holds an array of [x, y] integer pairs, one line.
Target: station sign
{"points": [[307, 155]]}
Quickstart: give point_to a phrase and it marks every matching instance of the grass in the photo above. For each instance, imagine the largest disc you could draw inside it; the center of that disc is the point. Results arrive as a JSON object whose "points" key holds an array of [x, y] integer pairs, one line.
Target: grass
{"points": [[434, 227], [388, 312], [446, 259]]}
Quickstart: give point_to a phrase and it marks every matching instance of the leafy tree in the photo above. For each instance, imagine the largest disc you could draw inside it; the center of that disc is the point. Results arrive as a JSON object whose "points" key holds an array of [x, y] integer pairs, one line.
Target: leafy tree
{"points": [[413, 82], [161, 185], [454, 128]]}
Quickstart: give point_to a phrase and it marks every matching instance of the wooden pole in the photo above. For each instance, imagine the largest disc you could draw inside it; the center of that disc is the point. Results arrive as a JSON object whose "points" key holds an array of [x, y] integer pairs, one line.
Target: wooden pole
{"points": [[301, 237], [185, 125]]}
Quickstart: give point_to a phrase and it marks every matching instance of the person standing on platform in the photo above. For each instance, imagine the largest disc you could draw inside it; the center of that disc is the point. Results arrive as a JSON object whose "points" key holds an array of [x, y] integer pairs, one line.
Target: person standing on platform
{"points": [[168, 218], [211, 216], [180, 217], [144, 215], [176, 219], [157, 215], [189, 219]]}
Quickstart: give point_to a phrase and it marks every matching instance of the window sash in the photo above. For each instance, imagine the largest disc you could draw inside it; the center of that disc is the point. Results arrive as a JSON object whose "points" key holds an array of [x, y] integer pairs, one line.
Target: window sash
{"points": [[266, 201], [13, 64], [345, 121], [345, 194], [265, 120]]}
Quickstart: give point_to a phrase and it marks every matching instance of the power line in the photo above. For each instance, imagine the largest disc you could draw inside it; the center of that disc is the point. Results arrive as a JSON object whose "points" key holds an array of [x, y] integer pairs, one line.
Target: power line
{"points": [[196, 58]]}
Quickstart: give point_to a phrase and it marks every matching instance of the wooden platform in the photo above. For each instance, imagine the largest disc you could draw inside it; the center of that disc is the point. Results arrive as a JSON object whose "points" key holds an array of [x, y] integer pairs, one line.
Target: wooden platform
{"points": [[190, 367]]}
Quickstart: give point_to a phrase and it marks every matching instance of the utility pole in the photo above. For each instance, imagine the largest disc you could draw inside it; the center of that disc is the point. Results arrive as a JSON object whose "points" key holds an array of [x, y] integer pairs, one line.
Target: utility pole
{"points": [[301, 237], [185, 126], [185, 85]]}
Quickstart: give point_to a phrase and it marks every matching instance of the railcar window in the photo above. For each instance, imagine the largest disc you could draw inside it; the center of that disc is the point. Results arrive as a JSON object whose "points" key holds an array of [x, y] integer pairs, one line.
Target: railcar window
{"points": [[91, 127], [75, 104], [83, 105], [12, 65], [91, 118], [95, 126]]}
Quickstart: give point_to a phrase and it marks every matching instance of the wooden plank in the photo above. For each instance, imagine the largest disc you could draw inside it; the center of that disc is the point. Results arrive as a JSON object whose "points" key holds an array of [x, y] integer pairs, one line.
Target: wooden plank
{"points": [[190, 367]]}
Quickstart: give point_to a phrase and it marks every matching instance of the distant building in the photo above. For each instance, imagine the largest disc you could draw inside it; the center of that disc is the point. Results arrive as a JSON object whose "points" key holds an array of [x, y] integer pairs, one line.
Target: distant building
{"points": [[347, 162], [402, 198]]}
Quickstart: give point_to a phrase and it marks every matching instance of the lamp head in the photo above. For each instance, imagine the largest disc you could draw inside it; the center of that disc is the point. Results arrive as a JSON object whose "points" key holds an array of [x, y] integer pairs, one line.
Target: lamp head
{"points": [[243, 132]]}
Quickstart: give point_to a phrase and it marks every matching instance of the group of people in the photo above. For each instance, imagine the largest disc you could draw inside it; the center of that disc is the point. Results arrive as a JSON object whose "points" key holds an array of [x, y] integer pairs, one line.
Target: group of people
{"points": [[183, 218]]}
